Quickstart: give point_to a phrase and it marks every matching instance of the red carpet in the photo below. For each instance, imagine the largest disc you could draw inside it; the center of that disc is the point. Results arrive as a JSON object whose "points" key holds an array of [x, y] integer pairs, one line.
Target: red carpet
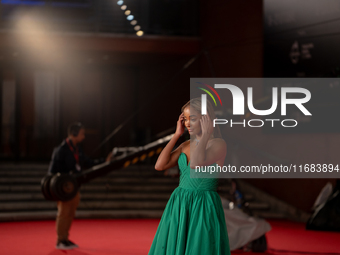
{"points": [[134, 237]]}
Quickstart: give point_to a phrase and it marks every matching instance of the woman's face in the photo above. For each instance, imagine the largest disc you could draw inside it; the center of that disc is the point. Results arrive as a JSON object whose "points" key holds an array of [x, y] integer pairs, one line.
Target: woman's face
{"points": [[192, 121]]}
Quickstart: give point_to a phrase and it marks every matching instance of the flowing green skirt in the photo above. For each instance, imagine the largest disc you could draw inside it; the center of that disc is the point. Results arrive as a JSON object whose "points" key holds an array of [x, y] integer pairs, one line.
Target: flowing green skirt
{"points": [[193, 223]]}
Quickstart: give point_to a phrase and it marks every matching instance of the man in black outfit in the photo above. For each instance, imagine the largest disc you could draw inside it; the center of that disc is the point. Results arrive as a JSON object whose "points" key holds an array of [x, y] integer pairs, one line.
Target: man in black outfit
{"points": [[68, 157]]}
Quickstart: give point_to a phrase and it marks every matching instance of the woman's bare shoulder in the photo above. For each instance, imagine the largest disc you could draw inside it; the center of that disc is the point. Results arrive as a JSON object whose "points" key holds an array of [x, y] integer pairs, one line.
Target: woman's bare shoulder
{"points": [[185, 144], [217, 141]]}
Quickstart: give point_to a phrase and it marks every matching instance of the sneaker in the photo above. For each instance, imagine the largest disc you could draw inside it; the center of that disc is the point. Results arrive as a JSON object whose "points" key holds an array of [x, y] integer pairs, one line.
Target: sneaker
{"points": [[64, 245], [72, 244]]}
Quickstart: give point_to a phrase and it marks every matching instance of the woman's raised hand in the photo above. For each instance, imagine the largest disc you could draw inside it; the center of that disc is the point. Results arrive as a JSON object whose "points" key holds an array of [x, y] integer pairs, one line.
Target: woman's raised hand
{"points": [[180, 125], [206, 125]]}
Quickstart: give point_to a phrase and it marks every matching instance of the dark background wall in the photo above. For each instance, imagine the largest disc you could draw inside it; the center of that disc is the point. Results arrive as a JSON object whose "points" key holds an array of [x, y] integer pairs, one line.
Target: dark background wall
{"points": [[101, 80], [235, 31]]}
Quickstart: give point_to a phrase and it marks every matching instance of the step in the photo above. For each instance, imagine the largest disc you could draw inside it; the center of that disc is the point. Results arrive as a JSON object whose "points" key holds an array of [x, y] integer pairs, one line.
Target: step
{"points": [[40, 174], [258, 206], [87, 196], [31, 180], [102, 204], [85, 214], [131, 188], [249, 197], [44, 168], [97, 187], [22, 173], [23, 166]]}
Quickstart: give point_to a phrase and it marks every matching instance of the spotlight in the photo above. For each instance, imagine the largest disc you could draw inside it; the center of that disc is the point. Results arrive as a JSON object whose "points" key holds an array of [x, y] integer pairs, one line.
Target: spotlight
{"points": [[130, 17]]}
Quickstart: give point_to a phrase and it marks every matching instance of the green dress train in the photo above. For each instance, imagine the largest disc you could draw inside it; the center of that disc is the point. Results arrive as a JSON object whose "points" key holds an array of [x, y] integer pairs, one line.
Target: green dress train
{"points": [[193, 221]]}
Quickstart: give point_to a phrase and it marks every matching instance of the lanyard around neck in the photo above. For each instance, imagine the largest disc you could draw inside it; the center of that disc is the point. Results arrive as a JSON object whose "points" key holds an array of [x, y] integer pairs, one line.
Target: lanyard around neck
{"points": [[75, 152]]}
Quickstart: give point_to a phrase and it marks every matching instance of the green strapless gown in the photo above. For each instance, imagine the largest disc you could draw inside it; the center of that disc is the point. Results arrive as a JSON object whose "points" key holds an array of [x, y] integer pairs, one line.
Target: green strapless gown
{"points": [[193, 221]]}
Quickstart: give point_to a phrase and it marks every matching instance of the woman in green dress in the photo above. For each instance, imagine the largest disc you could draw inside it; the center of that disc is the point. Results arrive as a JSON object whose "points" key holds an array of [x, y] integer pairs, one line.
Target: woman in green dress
{"points": [[193, 221]]}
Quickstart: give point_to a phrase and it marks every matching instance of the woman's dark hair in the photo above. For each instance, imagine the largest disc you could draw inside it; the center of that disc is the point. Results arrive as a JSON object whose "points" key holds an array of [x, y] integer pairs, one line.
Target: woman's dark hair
{"points": [[74, 128]]}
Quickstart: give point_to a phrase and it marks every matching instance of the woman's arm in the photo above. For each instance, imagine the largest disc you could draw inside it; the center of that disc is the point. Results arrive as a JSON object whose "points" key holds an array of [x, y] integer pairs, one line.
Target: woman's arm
{"points": [[217, 148], [168, 158]]}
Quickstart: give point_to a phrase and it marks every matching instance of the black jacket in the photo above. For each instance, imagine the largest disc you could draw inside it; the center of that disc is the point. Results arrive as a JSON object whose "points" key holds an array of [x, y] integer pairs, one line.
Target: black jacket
{"points": [[63, 160]]}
